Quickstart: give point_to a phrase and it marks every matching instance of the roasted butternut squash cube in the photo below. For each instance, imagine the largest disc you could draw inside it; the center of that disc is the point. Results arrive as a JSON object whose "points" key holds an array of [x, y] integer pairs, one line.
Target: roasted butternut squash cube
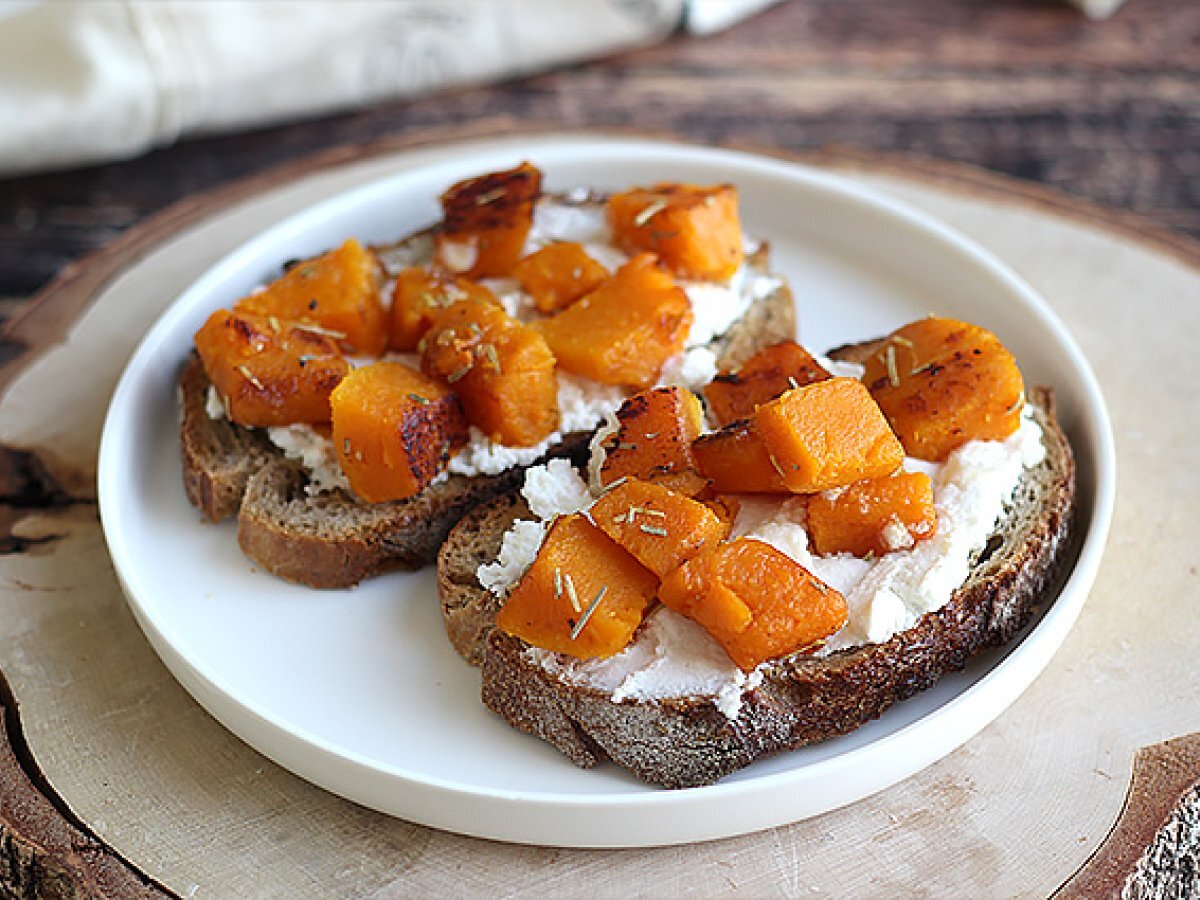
{"points": [[695, 231], [873, 516], [660, 527], [653, 440], [584, 595], [419, 294], [558, 275], [622, 332], [826, 435], [758, 603], [485, 222], [942, 382], [762, 378], [393, 428], [501, 369], [338, 291], [735, 461], [267, 371]]}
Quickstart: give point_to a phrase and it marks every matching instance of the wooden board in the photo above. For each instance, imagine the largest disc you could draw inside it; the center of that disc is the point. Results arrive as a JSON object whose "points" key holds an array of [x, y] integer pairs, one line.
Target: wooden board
{"points": [[1017, 810]]}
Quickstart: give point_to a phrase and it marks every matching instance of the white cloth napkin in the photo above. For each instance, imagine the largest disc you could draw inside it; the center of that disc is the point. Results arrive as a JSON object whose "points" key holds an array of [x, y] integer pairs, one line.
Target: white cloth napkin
{"points": [[85, 81]]}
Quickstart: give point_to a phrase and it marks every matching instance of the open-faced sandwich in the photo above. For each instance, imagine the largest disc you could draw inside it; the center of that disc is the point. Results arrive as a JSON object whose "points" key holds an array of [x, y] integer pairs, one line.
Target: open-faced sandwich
{"points": [[349, 412], [773, 566]]}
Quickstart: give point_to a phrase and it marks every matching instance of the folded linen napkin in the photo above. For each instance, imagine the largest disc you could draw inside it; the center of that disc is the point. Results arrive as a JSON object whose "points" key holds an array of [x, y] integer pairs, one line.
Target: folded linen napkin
{"points": [[85, 81]]}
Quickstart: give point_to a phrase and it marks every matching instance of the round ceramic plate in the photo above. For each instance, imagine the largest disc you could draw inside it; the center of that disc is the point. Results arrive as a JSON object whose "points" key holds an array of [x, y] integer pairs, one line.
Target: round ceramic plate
{"points": [[359, 691]]}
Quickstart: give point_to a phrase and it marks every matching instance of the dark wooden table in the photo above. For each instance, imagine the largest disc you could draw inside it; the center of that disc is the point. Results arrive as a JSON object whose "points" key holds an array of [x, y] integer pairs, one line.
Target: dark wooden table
{"points": [[1108, 112]]}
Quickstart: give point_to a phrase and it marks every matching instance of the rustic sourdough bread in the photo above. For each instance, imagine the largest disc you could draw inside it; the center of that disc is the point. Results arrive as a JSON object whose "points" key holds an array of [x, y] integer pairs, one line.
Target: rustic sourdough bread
{"points": [[801, 699], [333, 539]]}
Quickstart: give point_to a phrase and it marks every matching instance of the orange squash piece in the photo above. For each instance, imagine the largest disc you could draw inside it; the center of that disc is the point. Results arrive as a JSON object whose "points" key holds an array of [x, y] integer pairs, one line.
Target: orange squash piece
{"points": [[501, 369], [695, 231], [269, 372], [418, 296], [653, 440], [762, 378], [485, 221], [826, 435], [735, 461], [660, 527], [583, 595], [876, 515], [757, 602], [558, 275], [942, 383], [622, 332], [338, 291], [393, 428]]}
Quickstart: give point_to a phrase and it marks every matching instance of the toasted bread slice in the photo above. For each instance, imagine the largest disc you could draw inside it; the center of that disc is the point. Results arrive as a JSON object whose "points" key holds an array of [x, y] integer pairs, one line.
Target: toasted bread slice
{"points": [[801, 699], [335, 540]]}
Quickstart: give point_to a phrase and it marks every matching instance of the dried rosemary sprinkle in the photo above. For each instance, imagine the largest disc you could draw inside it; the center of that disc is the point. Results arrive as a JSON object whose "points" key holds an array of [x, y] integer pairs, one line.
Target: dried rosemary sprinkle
{"points": [[557, 582], [417, 398], [489, 196], [317, 329], [901, 339], [346, 447], [890, 359], [587, 613], [305, 359], [493, 358], [458, 374], [615, 483], [792, 382], [572, 595], [775, 463], [250, 377], [649, 212], [1017, 404], [656, 530]]}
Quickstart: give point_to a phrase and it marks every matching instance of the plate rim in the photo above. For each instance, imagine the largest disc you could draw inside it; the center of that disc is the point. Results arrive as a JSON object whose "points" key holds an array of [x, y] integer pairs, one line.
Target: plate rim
{"points": [[1094, 420]]}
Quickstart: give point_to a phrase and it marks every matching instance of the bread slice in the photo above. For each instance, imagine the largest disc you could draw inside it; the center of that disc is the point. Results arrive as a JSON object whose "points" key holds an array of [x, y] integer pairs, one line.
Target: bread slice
{"points": [[335, 540], [801, 699]]}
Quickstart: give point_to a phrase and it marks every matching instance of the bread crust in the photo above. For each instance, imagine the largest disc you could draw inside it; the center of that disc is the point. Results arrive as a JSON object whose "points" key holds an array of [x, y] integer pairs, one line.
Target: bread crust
{"points": [[334, 540], [802, 699]]}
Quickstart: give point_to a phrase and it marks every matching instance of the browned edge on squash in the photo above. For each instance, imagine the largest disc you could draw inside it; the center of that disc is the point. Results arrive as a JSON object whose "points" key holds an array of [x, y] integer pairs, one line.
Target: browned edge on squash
{"points": [[47, 318]]}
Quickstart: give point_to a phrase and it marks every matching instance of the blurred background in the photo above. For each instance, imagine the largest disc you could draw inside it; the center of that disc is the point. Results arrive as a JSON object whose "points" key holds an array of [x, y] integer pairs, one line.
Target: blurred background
{"points": [[115, 110]]}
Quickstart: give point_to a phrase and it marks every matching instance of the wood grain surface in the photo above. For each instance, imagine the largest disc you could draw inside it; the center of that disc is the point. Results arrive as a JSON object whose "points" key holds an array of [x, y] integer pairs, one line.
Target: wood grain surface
{"points": [[1106, 112]]}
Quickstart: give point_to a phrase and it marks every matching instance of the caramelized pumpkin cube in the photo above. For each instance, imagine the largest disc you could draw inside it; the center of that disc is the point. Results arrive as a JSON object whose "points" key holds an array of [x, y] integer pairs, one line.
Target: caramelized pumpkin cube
{"points": [[653, 440], [418, 296], [501, 369], [735, 461], [757, 602], [584, 595], [660, 527], [942, 382], [762, 378], [826, 435], [486, 220], [338, 291], [393, 428], [695, 231], [558, 275], [267, 371], [876, 515], [622, 332]]}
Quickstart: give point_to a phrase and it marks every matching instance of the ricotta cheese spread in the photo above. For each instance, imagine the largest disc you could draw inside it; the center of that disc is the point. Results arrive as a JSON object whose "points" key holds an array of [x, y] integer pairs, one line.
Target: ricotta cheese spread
{"points": [[673, 657], [583, 404]]}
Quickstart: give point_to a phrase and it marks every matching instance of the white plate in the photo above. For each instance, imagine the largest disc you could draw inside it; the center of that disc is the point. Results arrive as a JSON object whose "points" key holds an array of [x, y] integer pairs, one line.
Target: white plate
{"points": [[359, 691]]}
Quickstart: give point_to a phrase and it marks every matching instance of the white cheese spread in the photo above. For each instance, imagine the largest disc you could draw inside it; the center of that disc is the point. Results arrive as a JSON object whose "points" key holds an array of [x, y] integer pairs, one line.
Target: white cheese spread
{"points": [[315, 452], [672, 657]]}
